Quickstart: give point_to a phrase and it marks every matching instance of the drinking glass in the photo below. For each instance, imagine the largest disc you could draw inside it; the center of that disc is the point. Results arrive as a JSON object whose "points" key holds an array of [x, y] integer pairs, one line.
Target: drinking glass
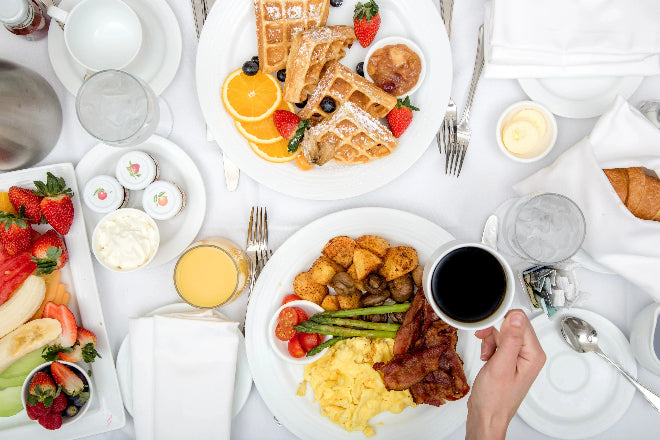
{"points": [[542, 228], [117, 108]]}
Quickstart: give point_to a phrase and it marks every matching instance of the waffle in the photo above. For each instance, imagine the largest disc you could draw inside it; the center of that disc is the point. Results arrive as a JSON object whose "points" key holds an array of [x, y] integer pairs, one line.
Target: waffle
{"points": [[310, 51], [278, 21], [350, 136], [342, 84]]}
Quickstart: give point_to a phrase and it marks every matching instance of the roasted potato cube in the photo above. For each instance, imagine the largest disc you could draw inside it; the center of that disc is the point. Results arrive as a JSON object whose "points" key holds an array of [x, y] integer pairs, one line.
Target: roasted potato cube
{"points": [[351, 301], [305, 287], [398, 261], [373, 243], [365, 262], [324, 269], [340, 250], [352, 272], [330, 302]]}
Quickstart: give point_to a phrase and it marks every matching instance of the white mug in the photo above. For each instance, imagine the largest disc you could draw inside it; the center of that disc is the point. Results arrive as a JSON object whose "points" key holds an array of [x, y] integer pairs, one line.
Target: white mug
{"points": [[472, 282], [642, 338], [100, 34]]}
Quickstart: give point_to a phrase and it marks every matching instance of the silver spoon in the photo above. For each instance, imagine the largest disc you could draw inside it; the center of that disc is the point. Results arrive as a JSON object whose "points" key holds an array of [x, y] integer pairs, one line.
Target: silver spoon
{"points": [[583, 338]]}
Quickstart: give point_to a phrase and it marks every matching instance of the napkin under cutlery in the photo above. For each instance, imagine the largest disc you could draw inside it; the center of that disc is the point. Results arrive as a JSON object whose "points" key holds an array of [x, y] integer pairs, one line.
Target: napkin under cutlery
{"points": [[572, 38], [616, 239], [183, 367]]}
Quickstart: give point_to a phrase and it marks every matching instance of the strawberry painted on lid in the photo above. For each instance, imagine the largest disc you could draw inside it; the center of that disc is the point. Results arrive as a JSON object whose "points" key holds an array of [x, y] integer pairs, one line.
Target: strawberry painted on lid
{"points": [[136, 170], [104, 194], [163, 200]]}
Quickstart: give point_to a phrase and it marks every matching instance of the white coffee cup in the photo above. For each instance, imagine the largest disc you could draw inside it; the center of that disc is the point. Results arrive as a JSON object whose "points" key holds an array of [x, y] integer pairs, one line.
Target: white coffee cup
{"points": [[471, 283], [100, 34], [642, 337]]}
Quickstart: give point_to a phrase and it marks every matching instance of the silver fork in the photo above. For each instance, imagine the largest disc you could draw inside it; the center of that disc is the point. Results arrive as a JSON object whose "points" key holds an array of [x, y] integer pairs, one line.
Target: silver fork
{"points": [[463, 132], [257, 243], [447, 134]]}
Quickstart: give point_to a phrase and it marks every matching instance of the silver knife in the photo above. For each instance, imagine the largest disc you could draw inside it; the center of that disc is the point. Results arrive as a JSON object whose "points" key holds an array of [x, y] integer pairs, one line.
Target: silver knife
{"points": [[201, 9], [489, 236], [446, 9]]}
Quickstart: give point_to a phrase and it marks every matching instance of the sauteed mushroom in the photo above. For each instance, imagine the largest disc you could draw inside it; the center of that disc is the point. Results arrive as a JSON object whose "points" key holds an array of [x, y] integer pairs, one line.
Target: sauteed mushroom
{"points": [[375, 299], [343, 283], [397, 317], [401, 288], [374, 283]]}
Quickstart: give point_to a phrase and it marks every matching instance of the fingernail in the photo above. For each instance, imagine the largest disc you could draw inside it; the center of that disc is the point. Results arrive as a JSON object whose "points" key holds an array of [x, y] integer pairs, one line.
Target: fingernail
{"points": [[483, 352], [516, 320]]}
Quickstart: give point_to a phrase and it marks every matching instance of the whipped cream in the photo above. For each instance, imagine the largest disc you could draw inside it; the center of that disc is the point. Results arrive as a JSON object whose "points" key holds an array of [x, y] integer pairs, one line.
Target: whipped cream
{"points": [[125, 240]]}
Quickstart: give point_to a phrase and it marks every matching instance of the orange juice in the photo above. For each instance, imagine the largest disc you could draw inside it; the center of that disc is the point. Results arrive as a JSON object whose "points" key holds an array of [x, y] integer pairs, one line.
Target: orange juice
{"points": [[211, 273]]}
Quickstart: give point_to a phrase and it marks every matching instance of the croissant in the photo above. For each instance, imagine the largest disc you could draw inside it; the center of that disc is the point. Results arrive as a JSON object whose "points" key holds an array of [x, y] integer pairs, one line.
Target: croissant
{"points": [[638, 191]]}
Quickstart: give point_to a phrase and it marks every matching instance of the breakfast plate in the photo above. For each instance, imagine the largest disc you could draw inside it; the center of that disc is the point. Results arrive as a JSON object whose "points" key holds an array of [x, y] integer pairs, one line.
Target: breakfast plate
{"points": [[277, 381], [243, 383], [107, 411], [579, 97], [230, 31], [578, 395], [157, 61], [175, 166]]}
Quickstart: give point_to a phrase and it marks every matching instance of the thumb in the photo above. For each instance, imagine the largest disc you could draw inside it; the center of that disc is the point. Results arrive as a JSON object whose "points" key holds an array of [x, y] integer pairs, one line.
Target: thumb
{"points": [[510, 343]]}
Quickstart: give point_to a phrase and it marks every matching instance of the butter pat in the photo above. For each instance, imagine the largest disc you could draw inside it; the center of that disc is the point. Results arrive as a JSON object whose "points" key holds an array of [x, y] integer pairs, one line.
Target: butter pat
{"points": [[526, 131]]}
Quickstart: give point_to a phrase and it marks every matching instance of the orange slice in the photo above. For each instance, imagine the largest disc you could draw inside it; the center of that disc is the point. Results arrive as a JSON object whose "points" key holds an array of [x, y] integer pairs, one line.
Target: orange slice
{"points": [[264, 131], [274, 152], [4, 202], [251, 98]]}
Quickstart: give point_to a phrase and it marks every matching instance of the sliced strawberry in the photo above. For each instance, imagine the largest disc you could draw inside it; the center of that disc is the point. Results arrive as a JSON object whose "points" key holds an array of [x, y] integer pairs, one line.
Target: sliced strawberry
{"points": [[56, 205], [290, 127], [67, 321], [400, 117], [71, 384], [25, 197], [87, 341], [42, 389], [71, 354], [49, 253], [15, 232], [366, 21]]}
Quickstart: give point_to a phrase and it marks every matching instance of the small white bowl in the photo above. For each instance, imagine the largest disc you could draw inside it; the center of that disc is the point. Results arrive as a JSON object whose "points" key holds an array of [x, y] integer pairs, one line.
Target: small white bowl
{"points": [[124, 212], [281, 347], [392, 41], [45, 367], [544, 145]]}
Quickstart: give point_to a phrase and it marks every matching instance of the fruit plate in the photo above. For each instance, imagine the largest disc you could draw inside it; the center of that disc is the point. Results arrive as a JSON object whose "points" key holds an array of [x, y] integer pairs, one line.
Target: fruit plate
{"points": [[230, 32], [107, 412], [277, 381]]}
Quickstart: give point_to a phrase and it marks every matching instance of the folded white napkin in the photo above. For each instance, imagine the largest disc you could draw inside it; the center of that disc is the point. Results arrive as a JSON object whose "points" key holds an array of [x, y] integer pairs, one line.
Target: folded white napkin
{"points": [[183, 368], [621, 138], [571, 38]]}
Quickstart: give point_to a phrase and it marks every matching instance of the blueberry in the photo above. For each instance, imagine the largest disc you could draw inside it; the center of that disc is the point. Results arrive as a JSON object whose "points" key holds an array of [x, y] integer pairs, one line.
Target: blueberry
{"points": [[71, 410], [250, 68], [301, 104], [328, 104], [80, 399], [255, 59], [281, 75], [360, 68], [336, 3]]}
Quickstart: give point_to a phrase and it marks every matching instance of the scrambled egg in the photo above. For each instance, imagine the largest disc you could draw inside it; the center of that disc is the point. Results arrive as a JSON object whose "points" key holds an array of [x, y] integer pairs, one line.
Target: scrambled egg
{"points": [[347, 387]]}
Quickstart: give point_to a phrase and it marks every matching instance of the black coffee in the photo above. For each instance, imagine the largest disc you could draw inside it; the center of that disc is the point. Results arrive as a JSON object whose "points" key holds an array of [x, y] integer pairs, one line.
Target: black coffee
{"points": [[468, 284]]}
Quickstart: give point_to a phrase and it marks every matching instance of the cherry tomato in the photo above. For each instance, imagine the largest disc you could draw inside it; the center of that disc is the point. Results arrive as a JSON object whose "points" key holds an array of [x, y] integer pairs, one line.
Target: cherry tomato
{"points": [[285, 332], [302, 316], [295, 349], [289, 298], [289, 316], [309, 340]]}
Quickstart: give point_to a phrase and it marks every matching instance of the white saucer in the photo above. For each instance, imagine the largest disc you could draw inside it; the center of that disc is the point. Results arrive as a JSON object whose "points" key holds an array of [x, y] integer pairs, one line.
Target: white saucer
{"points": [[578, 395], [242, 386], [175, 166], [156, 63], [579, 97]]}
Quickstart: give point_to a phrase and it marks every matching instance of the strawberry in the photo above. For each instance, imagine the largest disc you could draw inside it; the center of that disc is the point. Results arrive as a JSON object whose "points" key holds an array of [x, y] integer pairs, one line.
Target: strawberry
{"points": [[366, 21], [51, 421], [401, 116], [24, 197], [71, 384], [15, 232], [38, 410], [49, 252], [56, 205], [68, 323], [60, 403], [73, 354], [42, 389], [290, 127], [87, 340]]}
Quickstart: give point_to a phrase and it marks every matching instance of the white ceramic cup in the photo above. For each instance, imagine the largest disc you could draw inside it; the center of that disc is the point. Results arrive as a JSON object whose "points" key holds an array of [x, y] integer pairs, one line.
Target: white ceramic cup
{"points": [[100, 34], [472, 283], [642, 337]]}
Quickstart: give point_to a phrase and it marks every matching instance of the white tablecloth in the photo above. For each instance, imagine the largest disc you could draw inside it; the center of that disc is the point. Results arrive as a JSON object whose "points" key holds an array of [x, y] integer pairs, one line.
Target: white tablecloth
{"points": [[461, 206]]}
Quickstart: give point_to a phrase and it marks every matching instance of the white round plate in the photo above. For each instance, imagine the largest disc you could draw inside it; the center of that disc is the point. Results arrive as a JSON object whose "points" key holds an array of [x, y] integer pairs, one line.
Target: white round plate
{"points": [[157, 61], [579, 97], [243, 383], [578, 395], [278, 381], [230, 30], [175, 166]]}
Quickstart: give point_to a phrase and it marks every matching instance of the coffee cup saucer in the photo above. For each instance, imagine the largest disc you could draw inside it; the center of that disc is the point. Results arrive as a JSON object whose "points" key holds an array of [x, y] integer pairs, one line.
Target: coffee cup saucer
{"points": [[157, 61]]}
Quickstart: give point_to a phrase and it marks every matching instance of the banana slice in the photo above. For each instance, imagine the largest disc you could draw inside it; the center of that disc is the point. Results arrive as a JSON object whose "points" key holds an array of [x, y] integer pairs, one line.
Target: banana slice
{"points": [[520, 136], [534, 117], [27, 338]]}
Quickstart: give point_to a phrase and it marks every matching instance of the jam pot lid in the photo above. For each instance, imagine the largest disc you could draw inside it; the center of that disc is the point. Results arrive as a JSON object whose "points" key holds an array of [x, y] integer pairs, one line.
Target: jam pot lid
{"points": [[135, 170], [162, 200], [103, 194]]}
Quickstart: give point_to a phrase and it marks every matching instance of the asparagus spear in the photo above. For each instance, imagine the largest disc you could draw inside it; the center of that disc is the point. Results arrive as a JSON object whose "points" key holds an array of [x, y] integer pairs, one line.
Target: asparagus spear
{"points": [[355, 323], [322, 329], [330, 342], [394, 308]]}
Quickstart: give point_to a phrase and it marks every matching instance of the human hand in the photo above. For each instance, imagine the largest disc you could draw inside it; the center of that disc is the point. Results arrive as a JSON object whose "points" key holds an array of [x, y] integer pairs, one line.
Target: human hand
{"points": [[514, 358]]}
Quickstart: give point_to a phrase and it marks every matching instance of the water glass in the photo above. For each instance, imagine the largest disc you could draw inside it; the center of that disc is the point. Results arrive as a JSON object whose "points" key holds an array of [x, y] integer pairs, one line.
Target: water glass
{"points": [[542, 228], [117, 108]]}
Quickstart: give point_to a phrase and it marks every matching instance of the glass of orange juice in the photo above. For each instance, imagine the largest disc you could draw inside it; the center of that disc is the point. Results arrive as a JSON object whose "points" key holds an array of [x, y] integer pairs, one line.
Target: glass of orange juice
{"points": [[211, 273]]}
